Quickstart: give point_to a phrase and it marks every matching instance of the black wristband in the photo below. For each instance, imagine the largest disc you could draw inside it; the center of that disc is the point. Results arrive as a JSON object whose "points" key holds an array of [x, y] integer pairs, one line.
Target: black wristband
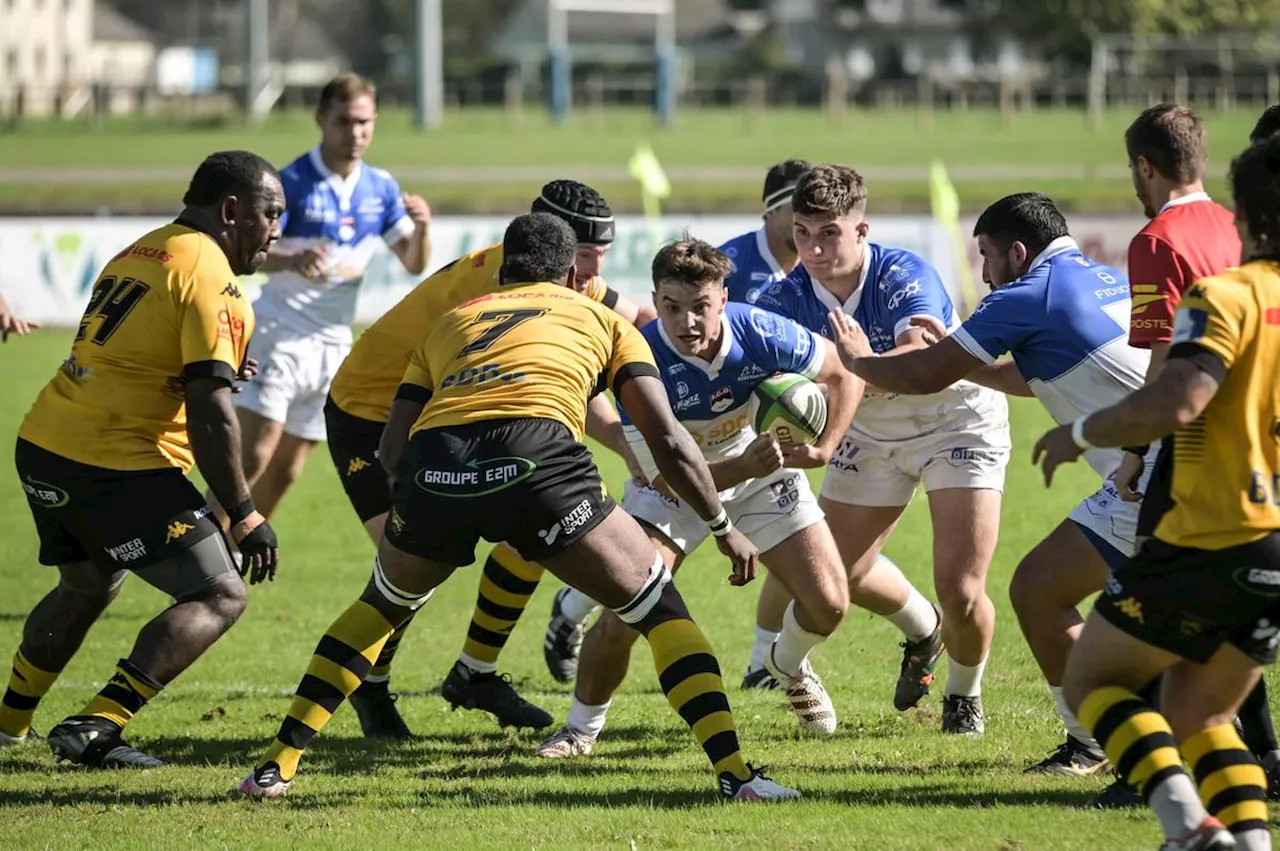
{"points": [[241, 511], [1140, 451]]}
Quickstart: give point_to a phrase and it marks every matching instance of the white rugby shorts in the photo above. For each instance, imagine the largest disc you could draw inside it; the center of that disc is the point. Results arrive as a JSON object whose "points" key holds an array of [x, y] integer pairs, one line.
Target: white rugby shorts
{"points": [[971, 453], [773, 509], [1110, 518], [294, 372]]}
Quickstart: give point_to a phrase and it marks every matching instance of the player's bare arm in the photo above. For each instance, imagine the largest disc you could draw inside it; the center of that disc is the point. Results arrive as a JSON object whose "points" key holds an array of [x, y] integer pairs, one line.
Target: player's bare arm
{"points": [[844, 391], [395, 437], [10, 324], [1178, 396], [215, 441], [682, 465], [414, 250], [637, 313], [913, 367], [605, 426], [1003, 375]]}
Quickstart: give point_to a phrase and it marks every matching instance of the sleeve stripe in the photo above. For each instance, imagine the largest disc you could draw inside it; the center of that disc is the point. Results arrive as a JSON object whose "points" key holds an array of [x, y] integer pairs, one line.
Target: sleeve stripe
{"points": [[398, 230], [633, 370], [414, 393], [817, 357], [971, 345], [209, 369], [1205, 360], [610, 297]]}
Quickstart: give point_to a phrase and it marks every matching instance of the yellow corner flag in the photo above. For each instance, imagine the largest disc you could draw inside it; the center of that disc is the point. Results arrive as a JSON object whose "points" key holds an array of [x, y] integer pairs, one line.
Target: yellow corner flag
{"points": [[946, 211], [654, 186]]}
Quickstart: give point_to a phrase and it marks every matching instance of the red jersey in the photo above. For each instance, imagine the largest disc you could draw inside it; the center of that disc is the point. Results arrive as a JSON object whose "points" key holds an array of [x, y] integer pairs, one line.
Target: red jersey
{"points": [[1190, 238]]}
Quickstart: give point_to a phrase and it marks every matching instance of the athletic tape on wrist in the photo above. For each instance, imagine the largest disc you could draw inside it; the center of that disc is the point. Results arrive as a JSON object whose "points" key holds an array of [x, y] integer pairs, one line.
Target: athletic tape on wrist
{"points": [[238, 513], [1077, 433]]}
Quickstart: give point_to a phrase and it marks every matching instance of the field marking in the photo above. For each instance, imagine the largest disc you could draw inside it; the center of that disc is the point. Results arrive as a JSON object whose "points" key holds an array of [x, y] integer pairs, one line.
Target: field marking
{"points": [[110, 175]]}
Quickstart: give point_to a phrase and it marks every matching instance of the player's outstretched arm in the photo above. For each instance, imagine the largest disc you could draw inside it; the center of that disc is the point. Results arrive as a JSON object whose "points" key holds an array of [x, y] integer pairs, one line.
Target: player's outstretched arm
{"points": [[913, 367], [683, 467], [1002, 375], [214, 432]]}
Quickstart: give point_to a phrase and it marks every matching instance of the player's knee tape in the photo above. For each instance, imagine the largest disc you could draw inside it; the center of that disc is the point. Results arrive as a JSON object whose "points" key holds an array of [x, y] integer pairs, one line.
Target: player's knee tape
{"points": [[644, 602], [394, 595], [86, 579], [188, 572]]}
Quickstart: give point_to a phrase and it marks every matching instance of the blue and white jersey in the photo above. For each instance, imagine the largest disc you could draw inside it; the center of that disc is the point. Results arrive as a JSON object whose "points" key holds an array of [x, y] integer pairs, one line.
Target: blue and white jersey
{"points": [[714, 400], [1066, 323], [897, 285], [754, 266], [351, 216]]}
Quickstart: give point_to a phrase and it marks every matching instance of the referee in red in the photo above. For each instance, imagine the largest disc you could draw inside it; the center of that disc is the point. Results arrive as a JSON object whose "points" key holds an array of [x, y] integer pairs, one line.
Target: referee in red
{"points": [[1189, 237]]}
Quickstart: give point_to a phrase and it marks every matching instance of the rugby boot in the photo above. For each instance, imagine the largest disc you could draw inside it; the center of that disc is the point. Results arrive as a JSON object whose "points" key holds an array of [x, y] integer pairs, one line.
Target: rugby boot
{"points": [[963, 716], [1073, 758], [758, 788], [96, 743], [375, 706], [565, 743], [494, 694], [919, 658], [562, 643], [263, 782]]}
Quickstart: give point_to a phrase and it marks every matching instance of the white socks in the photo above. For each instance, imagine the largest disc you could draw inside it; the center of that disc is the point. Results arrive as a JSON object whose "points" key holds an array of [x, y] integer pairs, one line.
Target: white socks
{"points": [[1177, 804], [963, 680], [477, 666], [587, 719], [794, 643], [918, 618], [1075, 729], [764, 640], [577, 606]]}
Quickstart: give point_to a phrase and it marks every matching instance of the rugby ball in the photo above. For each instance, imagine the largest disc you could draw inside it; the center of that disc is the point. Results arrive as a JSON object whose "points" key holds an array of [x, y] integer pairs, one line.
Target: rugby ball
{"points": [[792, 407]]}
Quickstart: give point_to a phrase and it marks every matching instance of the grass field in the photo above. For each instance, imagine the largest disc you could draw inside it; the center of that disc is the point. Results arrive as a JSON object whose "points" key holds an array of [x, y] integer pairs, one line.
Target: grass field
{"points": [[481, 162], [883, 781]]}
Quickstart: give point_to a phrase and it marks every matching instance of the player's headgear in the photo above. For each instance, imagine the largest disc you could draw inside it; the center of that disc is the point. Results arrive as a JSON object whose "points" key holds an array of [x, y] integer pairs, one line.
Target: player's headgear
{"points": [[780, 183], [581, 207]]}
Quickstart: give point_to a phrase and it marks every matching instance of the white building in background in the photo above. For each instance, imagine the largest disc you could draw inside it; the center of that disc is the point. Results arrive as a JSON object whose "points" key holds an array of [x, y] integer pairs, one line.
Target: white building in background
{"points": [[52, 52]]}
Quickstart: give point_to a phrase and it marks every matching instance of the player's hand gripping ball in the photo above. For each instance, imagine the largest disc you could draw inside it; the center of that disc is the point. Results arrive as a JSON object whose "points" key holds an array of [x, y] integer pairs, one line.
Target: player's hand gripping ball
{"points": [[792, 408]]}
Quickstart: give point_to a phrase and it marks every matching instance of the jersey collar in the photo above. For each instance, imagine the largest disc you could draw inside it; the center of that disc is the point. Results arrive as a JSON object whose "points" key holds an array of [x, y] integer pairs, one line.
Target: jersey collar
{"points": [[713, 368], [828, 298], [762, 246], [343, 187], [1185, 199], [1058, 246]]}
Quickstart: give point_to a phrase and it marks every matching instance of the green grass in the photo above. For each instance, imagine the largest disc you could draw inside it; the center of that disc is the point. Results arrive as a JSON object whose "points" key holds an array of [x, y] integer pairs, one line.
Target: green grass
{"points": [[885, 780], [717, 156]]}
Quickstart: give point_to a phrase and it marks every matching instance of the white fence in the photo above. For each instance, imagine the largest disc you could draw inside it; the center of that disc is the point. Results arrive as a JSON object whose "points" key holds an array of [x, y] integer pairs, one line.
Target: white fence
{"points": [[49, 264]]}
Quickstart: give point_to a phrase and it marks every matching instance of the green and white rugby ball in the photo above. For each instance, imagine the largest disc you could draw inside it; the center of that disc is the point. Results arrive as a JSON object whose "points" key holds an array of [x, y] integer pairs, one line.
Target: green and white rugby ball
{"points": [[792, 407]]}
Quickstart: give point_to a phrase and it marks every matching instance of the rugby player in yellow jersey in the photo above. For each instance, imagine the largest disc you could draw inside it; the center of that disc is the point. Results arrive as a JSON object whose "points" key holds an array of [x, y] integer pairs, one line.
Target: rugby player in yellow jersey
{"points": [[104, 452], [359, 401], [1200, 601], [484, 441]]}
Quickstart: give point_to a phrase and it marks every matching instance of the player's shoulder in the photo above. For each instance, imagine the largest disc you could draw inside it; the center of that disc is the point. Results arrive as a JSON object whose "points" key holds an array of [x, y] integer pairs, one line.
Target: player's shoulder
{"points": [[378, 180], [894, 263], [300, 168], [740, 248], [1242, 283]]}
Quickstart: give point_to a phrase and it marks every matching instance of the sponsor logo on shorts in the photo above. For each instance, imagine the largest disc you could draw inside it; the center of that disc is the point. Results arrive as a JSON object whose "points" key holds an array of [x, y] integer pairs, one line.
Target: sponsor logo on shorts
{"points": [[232, 290], [355, 465], [722, 400], [176, 530], [1113, 587], [396, 521], [128, 551], [44, 494], [1268, 632], [842, 460], [570, 523], [476, 478], [201, 512], [972, 456], [1257, 580], [1132, 608]]}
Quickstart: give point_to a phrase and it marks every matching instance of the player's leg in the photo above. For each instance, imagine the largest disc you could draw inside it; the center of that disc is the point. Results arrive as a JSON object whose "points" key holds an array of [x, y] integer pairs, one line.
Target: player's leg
{"points": [[51, 635], [605, 660], [209, 597], [1050, 582], [966, 524], [608, 563], [283, 468], [260, 434], [353, 447], [771, 608], [506, 585], [1201, 702], [402, 582], [1259, 733]]}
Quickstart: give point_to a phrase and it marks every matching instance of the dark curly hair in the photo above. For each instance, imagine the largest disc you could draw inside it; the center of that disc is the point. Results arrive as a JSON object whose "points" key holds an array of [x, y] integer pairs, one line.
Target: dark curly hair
{"points": [[1255, 185]]}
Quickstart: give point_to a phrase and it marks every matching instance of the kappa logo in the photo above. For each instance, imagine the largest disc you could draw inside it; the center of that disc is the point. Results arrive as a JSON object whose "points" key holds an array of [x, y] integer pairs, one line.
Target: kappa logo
{"points": [[1131, 607], [396, 521], [355, 465], [176, 530], [751, 372], [232, 290]]}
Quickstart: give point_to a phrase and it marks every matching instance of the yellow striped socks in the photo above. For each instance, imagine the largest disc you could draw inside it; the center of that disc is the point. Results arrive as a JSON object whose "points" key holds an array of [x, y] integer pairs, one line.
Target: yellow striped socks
{"points": [[27, 684], [124, 695]]}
